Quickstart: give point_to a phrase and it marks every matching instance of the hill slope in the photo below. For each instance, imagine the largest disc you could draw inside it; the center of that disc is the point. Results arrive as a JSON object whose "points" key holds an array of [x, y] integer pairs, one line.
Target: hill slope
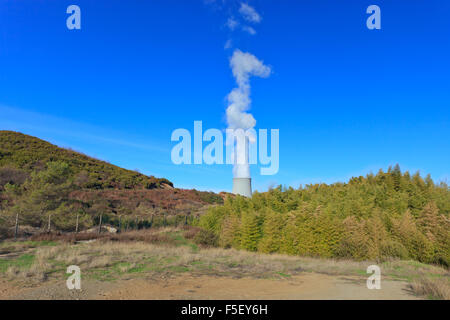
{"points": [[40, 182], [30, 154]]}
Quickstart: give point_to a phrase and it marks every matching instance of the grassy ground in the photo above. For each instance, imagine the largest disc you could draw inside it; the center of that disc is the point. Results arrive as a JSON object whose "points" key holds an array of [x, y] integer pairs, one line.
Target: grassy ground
{"points": [[167, 252]]}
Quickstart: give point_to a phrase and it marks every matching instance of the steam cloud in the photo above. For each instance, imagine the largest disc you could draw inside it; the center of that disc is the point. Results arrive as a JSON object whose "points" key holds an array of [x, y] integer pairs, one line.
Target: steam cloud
{"points": [[249, 13], [243, 65]]}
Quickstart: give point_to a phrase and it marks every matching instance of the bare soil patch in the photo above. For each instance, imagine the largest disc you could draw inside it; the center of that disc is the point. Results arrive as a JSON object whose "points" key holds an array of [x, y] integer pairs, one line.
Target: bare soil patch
{"points": [[190, 287]]}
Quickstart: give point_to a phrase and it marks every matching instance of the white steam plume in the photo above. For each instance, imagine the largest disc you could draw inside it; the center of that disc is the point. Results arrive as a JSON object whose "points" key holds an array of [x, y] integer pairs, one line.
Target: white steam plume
{"points": [[243, 65], [249, 13]]}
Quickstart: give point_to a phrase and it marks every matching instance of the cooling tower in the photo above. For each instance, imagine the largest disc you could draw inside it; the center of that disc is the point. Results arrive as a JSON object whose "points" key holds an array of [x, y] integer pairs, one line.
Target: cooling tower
{"points": [[242, 186]]}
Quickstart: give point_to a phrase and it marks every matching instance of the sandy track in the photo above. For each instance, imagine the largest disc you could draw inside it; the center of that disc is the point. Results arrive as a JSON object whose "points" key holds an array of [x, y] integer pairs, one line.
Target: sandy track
{"points": [[299, 287]]}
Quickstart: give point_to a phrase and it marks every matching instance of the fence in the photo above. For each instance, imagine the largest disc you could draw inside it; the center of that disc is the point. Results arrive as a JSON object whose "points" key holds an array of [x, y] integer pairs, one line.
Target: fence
{"points": [[122, 223]]}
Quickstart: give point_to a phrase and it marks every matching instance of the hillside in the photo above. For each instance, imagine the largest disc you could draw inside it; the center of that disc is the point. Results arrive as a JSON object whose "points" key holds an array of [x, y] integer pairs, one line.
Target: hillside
{"points": [[40, 182], [30, 154]]}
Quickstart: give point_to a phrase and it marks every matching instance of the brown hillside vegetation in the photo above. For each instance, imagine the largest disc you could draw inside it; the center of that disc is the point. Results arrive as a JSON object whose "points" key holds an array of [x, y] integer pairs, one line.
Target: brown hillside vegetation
{"points": [[50, 188], [166, 199]]}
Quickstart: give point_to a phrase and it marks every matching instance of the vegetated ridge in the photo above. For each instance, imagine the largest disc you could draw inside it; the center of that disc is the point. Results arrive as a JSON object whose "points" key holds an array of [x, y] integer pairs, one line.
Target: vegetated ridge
{"points": [[40, 182], [31, 154]]}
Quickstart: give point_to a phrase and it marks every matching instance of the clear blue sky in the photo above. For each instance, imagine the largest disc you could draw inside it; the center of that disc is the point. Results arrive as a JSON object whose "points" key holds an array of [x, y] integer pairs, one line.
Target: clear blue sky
{"points": [[347, 100]]}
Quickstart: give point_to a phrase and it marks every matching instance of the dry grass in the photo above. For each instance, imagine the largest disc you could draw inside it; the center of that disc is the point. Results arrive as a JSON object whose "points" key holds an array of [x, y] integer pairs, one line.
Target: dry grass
{"points": [[156, 253], [431, 288], [158, 235], [10, 247], [191, 232], [67, 237], [161, 258]]}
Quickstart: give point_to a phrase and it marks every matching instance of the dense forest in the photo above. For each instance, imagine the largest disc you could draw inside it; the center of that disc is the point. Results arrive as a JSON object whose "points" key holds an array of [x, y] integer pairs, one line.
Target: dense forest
{"points": [[47, 187], [378, 217]]}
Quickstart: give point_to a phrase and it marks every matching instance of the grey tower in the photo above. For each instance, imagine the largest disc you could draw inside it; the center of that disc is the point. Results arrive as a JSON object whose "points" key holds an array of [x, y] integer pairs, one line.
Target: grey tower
{"points": [[242, 186]]}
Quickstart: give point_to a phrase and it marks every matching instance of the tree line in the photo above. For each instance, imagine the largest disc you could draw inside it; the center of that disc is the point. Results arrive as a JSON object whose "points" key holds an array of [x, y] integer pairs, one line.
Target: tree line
{"points": [[376, 217]]}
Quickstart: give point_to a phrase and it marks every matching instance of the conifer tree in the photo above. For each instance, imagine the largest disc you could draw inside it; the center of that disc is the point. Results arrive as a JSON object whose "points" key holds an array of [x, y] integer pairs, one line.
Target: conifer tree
{"points": [[250, 231], [229, 235], [396, 177], [272, 232]]}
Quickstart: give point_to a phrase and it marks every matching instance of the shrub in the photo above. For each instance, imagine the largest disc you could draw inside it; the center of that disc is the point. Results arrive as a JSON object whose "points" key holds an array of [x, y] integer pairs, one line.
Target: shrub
{"points": [[206, 238], [12, 176], [5, 232]]}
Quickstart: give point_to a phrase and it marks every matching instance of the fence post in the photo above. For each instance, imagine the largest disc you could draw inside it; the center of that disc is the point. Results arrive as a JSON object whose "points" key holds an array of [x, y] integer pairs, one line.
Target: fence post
{"points": [[16, 229], [49, 223], [100, 224], [76, 225]]}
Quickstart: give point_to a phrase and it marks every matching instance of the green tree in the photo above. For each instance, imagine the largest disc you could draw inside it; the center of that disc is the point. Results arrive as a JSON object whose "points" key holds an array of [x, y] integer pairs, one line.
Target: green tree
{"points": [[250, 231], [272, 232]]}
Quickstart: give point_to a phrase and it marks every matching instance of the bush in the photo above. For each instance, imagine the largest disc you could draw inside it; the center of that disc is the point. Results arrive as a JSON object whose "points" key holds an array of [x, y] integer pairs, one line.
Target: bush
{"points": [[5, 232], [394, 249], [206, 238], [12, 176]]}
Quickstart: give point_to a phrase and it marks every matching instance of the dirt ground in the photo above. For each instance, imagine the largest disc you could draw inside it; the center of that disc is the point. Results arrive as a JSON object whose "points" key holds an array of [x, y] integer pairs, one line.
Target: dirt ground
{"points": [[299, 287]]}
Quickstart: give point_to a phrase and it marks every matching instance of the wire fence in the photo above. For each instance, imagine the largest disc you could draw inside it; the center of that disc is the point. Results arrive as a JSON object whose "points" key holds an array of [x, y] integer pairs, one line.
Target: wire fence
{"points": [[20, 225]]}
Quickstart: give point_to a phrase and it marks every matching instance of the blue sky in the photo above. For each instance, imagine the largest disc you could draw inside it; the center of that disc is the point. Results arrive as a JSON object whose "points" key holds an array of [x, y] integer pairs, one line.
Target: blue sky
{"points": [[347, 100]]}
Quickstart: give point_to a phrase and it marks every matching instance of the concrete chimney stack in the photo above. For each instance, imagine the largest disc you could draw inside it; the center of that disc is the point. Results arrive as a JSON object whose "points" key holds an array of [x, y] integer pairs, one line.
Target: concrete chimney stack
{"points": [[242, 186]]}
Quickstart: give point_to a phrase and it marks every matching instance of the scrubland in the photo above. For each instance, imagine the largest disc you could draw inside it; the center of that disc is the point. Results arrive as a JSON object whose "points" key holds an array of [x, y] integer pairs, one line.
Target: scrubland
{"points": [[176, 251]]}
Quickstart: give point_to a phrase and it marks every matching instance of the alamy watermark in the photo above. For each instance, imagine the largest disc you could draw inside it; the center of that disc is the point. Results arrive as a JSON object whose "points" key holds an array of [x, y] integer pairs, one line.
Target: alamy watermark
{"points": [[241, 146], [74, 280], [374, 281], [374, 20], [74, 20]]}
